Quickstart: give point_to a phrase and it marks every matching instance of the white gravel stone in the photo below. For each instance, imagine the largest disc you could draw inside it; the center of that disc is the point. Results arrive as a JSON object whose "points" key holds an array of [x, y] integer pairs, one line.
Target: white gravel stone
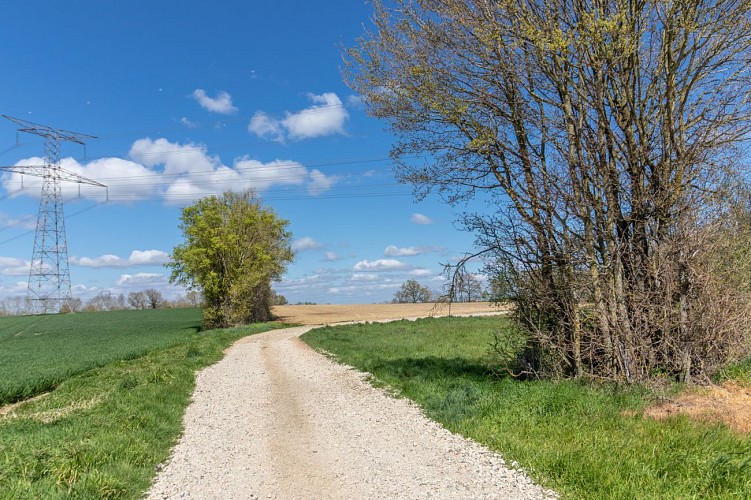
{"points": [[275, 419]]}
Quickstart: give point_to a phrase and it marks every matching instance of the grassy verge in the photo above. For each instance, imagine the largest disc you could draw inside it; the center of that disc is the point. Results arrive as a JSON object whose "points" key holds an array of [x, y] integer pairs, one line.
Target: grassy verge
{"points": [[739, 372], [101, 433], [584, 440]]}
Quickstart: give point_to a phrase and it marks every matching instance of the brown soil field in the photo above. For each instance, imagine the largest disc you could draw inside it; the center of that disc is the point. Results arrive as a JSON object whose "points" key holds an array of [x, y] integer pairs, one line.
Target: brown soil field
{"points": [[327, 314]]}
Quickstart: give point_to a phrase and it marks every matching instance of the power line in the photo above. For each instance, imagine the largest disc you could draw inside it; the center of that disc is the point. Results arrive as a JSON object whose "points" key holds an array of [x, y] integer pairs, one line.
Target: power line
{"points": [[229, 171], [265, 167], [31, 231], [196, 195], [133, 133], [16, 145]]}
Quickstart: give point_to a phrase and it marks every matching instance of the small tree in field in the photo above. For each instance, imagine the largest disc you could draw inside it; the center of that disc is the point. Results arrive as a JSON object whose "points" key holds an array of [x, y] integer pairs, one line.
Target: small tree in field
{"points": [[72, 306], [234, 248], [465, 287], [412, 292], [153, 298]]}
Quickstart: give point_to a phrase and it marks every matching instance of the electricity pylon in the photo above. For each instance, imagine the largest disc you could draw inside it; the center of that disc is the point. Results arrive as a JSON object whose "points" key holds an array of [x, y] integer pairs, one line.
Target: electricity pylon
{"points": [[49, 277]]}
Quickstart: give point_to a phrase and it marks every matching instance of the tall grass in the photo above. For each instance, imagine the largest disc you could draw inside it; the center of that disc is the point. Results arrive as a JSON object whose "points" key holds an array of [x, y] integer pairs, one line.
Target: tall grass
{"points": [[585, 440]]}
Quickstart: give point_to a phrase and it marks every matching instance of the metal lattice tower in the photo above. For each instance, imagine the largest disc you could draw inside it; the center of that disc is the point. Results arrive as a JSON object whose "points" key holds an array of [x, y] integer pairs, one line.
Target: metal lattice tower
{"points": [[49, 277]]}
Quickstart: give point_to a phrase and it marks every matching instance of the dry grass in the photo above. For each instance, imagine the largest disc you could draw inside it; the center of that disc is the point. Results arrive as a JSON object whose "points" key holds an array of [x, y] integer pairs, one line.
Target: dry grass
{"points": [[729, 403], [328, 314]]}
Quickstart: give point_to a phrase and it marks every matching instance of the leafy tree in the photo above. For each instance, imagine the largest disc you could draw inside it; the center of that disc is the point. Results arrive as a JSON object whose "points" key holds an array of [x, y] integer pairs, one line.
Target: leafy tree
{"points": [[605, 133], [278, 299], [411, 292], [137, 300], [234, 248]]}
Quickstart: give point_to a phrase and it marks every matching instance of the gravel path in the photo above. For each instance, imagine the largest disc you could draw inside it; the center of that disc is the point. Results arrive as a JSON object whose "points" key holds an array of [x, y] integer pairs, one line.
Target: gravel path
{"points": [[275, 419]]}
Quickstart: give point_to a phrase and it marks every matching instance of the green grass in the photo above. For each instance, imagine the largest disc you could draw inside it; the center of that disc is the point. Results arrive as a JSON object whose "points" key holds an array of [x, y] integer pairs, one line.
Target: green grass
{"points": [[38, 352], [584, 440], [739, 371], [102, 432]]}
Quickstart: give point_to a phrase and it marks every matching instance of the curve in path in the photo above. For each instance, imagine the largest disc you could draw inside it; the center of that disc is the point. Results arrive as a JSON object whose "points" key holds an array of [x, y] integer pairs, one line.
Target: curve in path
{"points": [[275, 419]]}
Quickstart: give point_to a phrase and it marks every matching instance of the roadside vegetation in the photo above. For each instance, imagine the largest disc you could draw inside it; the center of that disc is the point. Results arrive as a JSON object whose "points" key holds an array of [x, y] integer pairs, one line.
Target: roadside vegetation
{"points": [[597, 152], [121, 383], [583, 439]]}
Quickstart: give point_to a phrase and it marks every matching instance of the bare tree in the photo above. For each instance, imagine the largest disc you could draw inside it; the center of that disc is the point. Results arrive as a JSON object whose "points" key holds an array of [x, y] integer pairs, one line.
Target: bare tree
{"points": [[153, 298], [464, 286], [137, 300], [605, 133], [121, 302], [72, 305], [103, 301]]}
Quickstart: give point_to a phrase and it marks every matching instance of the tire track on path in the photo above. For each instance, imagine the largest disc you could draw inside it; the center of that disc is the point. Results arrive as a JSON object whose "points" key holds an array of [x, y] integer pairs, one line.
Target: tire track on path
{"points": [[275, 419]]}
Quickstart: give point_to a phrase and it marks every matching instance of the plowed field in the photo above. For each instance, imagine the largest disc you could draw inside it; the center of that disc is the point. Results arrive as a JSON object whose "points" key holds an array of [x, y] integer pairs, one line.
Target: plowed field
{"points": [[327, 314]]}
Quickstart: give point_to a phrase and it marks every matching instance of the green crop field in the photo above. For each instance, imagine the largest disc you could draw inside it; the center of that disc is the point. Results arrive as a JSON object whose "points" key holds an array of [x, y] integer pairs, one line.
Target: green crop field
{"points": [[38, 352], [119, 383]]}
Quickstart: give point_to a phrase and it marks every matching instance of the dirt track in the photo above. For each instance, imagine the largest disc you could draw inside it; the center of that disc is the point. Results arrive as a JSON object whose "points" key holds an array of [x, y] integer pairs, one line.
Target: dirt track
{"points": [[274, 419]]}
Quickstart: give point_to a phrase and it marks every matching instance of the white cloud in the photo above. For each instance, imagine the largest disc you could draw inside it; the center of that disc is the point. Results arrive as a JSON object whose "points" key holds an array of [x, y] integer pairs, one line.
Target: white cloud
{"points": [[189, 123], [144, 280], [367, 282], [421, 273], [354, 101], [394, 251], [364, 277], [320, 183], [265, 175], [305, 243], [126, 180], [137, 258], [304, 283], [148, 258], [222, 103], [12, 266], [380, 265], [180, 173], [176, 158], [332, 256], [18, 290], [266, 127], [325, 117], [27, 221], [421, 219]]}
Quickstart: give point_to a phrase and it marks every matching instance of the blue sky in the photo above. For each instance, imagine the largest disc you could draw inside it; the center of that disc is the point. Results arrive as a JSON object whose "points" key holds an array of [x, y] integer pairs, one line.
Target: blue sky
{"points": [[189, 99]]}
